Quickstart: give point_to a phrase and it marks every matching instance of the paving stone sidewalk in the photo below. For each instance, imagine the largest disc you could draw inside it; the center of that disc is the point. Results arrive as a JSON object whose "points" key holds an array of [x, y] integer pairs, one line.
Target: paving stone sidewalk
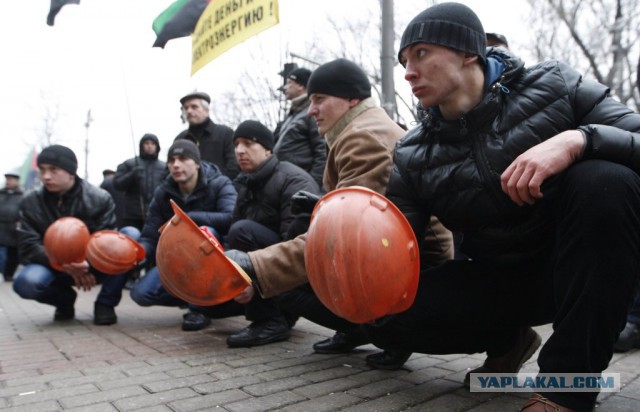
{"points": [[146, 363]]}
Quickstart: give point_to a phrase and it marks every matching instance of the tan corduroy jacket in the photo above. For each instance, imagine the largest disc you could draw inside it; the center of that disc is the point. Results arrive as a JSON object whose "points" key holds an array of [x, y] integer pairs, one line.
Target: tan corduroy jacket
{"points": [[360, 153]]}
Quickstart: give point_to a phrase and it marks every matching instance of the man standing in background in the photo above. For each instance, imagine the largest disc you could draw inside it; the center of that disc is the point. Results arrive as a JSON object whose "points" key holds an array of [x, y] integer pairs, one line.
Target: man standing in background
{"points": [[297, 138], [138, 178], [215, 141], [10, 197]]}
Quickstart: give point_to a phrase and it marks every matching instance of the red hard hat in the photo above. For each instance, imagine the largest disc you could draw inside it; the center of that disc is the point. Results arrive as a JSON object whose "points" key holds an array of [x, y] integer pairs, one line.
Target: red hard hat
{"points": [[361, 255], [113, 253], [65, 241], [192, 264]]}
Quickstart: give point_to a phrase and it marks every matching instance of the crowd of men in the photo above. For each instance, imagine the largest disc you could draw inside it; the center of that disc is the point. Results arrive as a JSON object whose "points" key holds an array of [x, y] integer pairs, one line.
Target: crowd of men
{"points": [[516, 161]]}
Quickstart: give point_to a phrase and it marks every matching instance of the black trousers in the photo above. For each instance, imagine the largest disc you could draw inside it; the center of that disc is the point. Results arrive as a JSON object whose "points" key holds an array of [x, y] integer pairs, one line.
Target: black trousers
{"points": [[247, 235], [584, 287], [303, 302], [11, 264]]}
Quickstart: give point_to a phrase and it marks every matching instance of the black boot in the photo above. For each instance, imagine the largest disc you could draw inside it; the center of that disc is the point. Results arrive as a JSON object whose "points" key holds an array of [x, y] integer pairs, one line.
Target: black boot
{"points": [[65, 311], [104, 315], [192, 321], [342, 342], [388, 360], [260, 333]]}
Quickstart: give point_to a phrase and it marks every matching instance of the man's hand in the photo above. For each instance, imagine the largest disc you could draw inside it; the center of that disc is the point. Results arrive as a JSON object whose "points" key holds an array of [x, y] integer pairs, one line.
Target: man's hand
{"points": [[303, 202], [246, 295], [243, 260], [523, 178], [79, 271]]}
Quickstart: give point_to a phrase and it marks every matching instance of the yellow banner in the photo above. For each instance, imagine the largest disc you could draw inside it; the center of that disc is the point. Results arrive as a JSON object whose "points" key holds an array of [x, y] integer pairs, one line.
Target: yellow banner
{"points": [[225, 23]]}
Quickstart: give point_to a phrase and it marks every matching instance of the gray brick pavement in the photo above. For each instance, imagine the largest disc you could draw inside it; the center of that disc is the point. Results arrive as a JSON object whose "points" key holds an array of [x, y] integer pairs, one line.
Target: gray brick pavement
{"points": [[146, 363]]}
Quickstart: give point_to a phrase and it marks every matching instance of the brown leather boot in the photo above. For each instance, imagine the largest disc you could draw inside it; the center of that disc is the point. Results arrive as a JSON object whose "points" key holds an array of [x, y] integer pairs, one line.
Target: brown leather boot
{"points": [[538, 403], [511, 362]]}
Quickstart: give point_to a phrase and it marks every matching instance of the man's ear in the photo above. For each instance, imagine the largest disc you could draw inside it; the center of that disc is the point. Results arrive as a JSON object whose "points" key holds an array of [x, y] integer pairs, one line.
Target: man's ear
{"points": [[354, 102], [470, 58]]}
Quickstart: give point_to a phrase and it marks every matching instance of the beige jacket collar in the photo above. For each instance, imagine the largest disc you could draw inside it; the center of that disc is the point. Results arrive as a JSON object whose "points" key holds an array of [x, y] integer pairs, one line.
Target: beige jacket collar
{"points": [[347, 118]]}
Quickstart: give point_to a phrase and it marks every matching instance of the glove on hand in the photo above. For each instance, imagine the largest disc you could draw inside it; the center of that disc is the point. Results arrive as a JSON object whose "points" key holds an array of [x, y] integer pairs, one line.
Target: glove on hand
{"points": [[243, 260], [303, 202]]}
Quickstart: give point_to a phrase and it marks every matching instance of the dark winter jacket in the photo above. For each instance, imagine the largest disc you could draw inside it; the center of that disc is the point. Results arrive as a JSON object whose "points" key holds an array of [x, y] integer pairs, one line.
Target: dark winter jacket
{"points": [[138, 178], [298, 141], [452, 168], [264, 196], [215, 142], [9, 204], [210, 204], [40, 208], [118, 197]]}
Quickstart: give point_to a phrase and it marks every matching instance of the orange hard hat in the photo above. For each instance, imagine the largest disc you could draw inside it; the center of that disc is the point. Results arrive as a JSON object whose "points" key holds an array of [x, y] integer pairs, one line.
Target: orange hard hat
{"points": [[361, 255], [113, 253], [192, 265], [65, 241]]}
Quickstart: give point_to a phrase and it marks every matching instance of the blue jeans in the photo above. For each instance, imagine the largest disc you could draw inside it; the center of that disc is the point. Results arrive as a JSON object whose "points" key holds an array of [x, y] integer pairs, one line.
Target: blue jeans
{"points": [[148, 290], [3, 258], [45, 285]]}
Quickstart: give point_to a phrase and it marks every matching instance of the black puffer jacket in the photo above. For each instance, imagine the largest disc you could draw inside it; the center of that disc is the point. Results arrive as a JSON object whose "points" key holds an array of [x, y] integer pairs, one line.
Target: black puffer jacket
{"points": [[210, 204], [138, 178], [452, 168], [40, 208], [265, 195]]}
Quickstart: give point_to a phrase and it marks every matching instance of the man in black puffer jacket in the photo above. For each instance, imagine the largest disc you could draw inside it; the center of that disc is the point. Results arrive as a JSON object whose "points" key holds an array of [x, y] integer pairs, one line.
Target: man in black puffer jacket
{"points": [[538, 169], [262, 217]]}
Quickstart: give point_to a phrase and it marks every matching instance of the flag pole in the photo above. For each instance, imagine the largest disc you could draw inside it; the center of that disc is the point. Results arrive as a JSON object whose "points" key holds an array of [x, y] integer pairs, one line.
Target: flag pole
{"points": [[86, 146]]}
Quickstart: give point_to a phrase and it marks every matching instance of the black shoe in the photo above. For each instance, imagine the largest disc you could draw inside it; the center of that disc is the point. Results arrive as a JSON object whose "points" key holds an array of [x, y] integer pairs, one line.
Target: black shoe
{"points": [[192, 321], [629, 338], [388, 360], [63, 313], [341, 342], [66, 310], [260, 333], [104, 315]]}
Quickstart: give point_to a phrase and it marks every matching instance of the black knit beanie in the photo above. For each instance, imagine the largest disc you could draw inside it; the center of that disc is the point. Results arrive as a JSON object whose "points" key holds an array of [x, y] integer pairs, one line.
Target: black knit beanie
{"points": [[255, 131], [300, 76], [60, 156], [186, 148], [451, 25], [340, 78]]}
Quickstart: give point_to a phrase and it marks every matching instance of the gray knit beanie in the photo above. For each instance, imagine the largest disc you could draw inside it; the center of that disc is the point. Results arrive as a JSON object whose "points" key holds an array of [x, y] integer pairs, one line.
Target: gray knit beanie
{"points": [[186, 148], [451, 25]]}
